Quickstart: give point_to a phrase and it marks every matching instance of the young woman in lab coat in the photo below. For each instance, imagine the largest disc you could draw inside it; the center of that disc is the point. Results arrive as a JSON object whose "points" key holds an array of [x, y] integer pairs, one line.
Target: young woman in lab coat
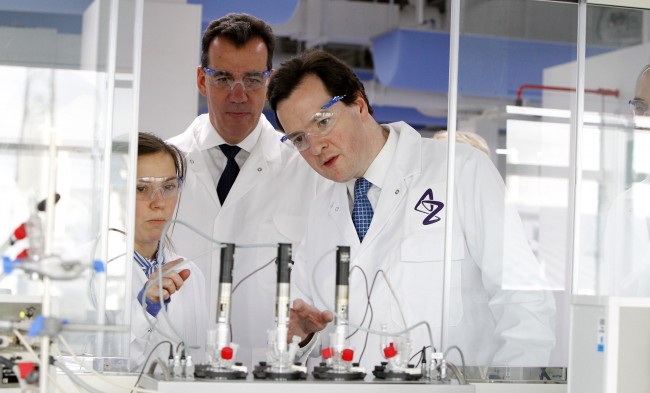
{"points": [[161, 168]]}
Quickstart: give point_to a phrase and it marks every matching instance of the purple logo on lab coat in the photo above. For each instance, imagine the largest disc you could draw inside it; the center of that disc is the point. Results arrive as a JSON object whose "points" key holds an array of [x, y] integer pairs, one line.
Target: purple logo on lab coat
{"points": [[430, 207]]}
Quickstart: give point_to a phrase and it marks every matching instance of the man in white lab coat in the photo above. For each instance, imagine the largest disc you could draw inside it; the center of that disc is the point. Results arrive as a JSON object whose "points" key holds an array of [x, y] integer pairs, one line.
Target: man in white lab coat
{"points": [[499, 312], [267, 203]]}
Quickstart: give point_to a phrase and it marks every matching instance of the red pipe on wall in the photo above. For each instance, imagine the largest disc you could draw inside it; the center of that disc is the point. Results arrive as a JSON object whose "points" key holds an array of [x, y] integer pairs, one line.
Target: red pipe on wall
{"points": [[602, 92]]}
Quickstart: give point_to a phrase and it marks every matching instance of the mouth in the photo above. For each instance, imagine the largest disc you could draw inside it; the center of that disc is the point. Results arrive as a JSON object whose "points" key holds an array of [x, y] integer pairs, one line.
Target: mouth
{"points": [[238, 113], [158, 221], [330, 162]]}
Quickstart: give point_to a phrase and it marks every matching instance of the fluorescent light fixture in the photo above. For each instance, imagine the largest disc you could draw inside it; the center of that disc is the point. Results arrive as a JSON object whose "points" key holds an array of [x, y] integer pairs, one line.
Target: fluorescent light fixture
{"points": [[530, 111], [588, 117], [505, 152]]}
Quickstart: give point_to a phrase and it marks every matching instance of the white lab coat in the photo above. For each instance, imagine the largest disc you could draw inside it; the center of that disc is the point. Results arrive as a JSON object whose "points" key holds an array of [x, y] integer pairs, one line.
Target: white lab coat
{"points": [[627, 242], [492, 319], [267, 204], [185, 312]]}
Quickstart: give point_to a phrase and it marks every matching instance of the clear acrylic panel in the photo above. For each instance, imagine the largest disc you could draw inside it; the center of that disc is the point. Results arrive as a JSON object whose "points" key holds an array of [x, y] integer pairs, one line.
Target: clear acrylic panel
{"points": [[515, 215], [62, 66], [613, 254]]}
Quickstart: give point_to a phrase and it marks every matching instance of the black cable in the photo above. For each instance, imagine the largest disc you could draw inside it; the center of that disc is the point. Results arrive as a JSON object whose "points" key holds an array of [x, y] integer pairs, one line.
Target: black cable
{"points": [[179, 345], [544, 375], [372, 314], [421, 352], [171, 349], [244, 279]]}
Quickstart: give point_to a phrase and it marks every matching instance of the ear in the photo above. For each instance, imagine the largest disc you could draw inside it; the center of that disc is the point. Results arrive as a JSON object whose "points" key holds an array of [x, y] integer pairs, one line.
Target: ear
{"points": [[200, 81], [363, 107]]}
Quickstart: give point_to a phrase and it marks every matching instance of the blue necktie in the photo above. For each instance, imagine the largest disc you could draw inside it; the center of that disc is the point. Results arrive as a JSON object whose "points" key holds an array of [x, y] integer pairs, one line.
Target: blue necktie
{"points": [[230, 173], [362, 209]]}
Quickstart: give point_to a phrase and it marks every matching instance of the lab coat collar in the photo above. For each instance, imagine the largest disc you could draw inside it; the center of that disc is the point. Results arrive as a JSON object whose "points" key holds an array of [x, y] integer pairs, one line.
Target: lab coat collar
{"points": [[208, 137], [190, 141], [340, 213], [271, 140], [265, 150], [265, 154], [407, 161], [405, 164]]}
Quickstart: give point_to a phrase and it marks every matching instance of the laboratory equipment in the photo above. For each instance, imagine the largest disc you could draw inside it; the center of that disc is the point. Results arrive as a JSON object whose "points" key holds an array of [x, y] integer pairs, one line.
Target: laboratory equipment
{"points": [[338, 357], [397, 351], [221, 352], [280, 356]]}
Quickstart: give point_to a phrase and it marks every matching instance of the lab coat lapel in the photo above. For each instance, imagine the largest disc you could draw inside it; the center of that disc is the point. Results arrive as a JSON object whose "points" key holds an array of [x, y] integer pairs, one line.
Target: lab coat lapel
{"points": [[405, 164], [258, 166], [196, 165], [339, 212]]}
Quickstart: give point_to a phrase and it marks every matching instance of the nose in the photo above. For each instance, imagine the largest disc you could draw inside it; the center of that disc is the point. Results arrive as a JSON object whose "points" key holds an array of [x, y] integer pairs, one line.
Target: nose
{"points": [[157, 197], [316, 144], [238, 92]]}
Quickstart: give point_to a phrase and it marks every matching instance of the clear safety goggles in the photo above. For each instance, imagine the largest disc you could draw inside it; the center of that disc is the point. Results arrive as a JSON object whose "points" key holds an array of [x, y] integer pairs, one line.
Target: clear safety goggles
{"points": [[146, 188], [320, 125], [248, 81], [639, 107]]}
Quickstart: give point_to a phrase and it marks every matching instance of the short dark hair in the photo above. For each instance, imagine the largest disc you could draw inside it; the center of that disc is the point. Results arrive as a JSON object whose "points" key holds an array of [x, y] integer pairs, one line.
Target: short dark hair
{"points": [[339, 79], [240, 29], [152, 144]]}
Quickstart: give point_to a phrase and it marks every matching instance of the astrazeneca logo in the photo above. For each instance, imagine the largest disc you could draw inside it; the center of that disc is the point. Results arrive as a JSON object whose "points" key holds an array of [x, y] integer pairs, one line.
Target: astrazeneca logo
{"points": [[430, 207]]}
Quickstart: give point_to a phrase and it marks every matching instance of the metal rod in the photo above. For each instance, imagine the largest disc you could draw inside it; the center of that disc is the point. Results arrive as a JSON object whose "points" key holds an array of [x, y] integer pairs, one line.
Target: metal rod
{"points": [[454, 37]]}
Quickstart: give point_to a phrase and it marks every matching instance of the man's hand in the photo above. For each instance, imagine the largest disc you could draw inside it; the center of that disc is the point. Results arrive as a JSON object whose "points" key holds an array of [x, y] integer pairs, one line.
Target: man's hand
{"points": [[306, 320], [172, 281]]}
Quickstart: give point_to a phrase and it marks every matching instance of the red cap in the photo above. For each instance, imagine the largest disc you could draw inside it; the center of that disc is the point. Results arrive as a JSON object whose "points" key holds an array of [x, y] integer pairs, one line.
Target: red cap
{"points": [[347, 355], [20, 232], [25, 369], [326, 353], [390, 351], [23, 255], [226, 353]]}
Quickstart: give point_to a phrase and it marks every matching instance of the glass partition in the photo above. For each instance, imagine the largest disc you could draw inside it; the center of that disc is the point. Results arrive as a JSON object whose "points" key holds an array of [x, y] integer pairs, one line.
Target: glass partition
{"points": [[525, 265], [517, 236], [67, 99], [614, 216]]}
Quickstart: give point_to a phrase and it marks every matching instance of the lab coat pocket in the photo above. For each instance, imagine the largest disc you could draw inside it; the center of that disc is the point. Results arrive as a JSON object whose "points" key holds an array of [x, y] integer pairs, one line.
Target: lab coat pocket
{"points": [[421, 267]]}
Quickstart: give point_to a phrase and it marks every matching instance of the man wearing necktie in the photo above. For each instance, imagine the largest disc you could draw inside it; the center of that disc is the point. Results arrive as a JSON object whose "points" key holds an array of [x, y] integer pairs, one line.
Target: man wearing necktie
{"points": [[243, 185], [388, 205]]}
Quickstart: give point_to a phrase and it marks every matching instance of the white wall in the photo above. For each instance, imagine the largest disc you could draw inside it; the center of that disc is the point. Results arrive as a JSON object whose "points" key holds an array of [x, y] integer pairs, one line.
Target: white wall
{"points": [[171, 43], [171, 46]]}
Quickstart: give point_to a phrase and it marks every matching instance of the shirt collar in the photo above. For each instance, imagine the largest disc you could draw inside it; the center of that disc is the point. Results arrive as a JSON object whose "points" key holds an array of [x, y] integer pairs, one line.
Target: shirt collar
{"points": [[210, 139], [376, 172]]}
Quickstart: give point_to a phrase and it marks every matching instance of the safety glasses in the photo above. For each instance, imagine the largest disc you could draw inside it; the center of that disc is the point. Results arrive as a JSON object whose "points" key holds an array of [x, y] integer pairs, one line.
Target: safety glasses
{"points": [[146, 188], [248, 81], [320, 125]]}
